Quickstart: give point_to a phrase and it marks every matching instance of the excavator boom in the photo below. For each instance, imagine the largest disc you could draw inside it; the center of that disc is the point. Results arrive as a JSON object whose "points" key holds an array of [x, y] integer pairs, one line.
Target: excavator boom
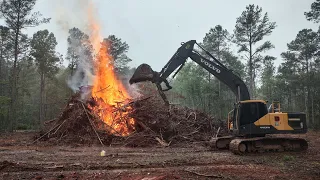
{"points": [[177, 61]]}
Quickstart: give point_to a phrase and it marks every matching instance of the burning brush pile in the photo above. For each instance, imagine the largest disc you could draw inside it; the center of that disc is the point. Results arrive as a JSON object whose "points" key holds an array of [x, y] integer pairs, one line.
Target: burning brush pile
{"points": [[141, 122], [106, 113]]}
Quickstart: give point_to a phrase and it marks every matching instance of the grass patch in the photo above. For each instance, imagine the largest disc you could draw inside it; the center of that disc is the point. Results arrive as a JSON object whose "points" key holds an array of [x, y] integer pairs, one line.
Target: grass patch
{"points": [[288, 158]]}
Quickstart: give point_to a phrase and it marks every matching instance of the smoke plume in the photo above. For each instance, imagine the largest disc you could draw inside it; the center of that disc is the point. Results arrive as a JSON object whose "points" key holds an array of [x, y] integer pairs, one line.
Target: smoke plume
{"points": [[70, 14], [82, 14], [83, 75]]}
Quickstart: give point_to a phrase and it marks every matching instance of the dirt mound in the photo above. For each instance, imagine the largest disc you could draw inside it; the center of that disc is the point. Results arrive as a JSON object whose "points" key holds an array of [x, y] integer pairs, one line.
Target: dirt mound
{"points": [[155, 123]]}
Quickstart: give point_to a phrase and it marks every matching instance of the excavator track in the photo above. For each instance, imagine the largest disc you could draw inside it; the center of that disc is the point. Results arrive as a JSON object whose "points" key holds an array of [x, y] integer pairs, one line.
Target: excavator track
{"points": [[267, 144], [220, 143]]}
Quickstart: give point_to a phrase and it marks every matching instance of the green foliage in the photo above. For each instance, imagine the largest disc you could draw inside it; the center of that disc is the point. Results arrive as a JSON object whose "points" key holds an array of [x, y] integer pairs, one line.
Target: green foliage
{"points": [[118, 50], [43, 46], [17, 14], [288, 158], [268, 80], [4, 103], [57, 93], [190, 82], [314, 13], [251, 27], [200, 90], [5, 54], [305, 45], [79, 48], [299, 74], [216, 40]]}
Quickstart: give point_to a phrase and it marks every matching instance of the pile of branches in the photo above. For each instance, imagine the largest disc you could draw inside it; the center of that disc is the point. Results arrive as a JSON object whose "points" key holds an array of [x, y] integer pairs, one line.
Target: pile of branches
{"points": [[76, 125], [155, 123], [171, 125]]}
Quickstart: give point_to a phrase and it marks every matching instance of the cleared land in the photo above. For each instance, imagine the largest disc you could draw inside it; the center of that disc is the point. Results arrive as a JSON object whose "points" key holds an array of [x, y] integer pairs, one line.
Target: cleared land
{"points": [[19, 159]]}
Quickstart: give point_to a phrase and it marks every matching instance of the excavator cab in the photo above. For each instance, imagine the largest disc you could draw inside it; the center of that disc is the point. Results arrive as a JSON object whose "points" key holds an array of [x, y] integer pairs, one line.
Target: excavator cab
{"points": [[244, 115], [252, 118]]}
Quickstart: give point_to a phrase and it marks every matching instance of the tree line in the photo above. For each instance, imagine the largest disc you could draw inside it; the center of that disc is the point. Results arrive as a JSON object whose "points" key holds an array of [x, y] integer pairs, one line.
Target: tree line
{"points": [[295, 83], [33, 80], [34, 84]]}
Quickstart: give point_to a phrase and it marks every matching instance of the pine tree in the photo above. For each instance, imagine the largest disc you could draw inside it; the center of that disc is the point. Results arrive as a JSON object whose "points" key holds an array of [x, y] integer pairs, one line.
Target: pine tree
{"points": [[43, 46], [301, 55], [79, 49], [17, 15], [118, 49], [314, 13], [251, 27]]}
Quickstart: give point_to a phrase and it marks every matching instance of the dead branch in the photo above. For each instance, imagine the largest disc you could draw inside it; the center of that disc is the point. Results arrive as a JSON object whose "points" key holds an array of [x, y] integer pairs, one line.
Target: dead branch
{"points": [[45, 134], [195, 115], [205, 175], [155, 122], [92, 124], [218, 132], [60, 126], [162, 142]]}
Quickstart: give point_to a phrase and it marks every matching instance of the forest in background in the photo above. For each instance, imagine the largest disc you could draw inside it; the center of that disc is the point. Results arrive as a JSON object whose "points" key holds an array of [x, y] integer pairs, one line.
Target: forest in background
{"points": [[34, 84]]}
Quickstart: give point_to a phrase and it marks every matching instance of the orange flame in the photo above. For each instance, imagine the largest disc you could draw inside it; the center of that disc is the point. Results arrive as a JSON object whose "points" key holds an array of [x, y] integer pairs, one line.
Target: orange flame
{"points": [[107, 89]]}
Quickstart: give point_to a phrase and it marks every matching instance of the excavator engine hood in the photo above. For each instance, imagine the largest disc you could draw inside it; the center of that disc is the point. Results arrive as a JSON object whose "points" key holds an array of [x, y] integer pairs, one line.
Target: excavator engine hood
{"points": [[143, 73]]}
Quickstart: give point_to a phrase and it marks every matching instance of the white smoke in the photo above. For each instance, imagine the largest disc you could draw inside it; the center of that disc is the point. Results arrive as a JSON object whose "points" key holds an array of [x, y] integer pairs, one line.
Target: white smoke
{"points": [[83, 76], [133, 89], [67, 15], [71, 13], [74, 13]]}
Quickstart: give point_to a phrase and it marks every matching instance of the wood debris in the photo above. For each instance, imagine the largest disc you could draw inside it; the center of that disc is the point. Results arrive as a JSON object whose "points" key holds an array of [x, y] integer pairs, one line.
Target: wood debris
{"points": [[155, 124]]}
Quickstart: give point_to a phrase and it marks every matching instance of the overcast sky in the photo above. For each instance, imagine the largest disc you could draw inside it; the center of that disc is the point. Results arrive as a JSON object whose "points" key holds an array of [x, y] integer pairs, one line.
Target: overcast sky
{"points": [[154, 29]]}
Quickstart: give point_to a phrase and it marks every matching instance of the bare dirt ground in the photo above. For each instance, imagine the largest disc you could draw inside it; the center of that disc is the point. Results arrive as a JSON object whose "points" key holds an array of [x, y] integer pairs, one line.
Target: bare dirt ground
{"points": [[19, 159]]}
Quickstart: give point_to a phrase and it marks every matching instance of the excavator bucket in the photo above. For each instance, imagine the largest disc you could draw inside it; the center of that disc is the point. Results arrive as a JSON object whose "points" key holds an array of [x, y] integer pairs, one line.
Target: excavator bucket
{"points": [[143, 73]]}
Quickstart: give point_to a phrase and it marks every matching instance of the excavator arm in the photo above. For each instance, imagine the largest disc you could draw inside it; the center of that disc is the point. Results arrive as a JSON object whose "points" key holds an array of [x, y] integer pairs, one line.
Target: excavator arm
{"points": [[177, 61]]}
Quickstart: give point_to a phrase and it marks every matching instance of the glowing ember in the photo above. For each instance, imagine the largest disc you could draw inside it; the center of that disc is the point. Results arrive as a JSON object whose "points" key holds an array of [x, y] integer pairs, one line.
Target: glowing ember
{"points": [[110, 94]]}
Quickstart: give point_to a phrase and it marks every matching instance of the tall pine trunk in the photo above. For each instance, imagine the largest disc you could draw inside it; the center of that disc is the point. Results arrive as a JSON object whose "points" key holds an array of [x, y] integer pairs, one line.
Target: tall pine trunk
{"points": [[41, 108], [1, 62], [14, 73], [309, 109], [251, 66]]}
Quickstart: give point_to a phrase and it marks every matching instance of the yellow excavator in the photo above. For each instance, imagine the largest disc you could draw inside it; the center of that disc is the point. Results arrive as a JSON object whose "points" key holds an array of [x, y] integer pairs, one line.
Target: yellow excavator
{"points": [[250, 121]]}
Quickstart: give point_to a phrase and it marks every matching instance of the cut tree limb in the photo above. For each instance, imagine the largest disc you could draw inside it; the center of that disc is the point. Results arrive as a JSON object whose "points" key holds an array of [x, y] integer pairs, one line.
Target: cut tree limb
{"points": [[162, 142], [94, 129], [48, 132], [205, 175]]}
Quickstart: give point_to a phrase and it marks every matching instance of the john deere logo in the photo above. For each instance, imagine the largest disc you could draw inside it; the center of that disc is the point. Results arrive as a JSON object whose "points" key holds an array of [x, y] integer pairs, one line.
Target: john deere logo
{"points": [[187, 46]]}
